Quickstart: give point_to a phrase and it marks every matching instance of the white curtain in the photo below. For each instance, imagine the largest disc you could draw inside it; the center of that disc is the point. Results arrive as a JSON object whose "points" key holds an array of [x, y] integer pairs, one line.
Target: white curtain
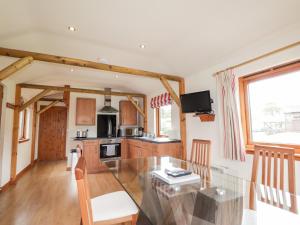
{"points": [[230, 122]]}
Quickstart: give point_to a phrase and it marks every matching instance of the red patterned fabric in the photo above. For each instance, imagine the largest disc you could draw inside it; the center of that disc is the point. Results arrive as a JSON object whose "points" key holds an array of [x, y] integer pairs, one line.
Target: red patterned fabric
{"points": [[161, 100]]}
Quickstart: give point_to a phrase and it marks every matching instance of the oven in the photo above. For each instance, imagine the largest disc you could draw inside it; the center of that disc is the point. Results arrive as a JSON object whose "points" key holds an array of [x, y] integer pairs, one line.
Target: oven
{"points": [[109, 151]]}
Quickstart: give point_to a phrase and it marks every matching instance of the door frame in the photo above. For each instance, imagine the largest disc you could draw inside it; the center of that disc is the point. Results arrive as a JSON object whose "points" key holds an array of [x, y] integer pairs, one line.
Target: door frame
{"points": [[67, 112]]}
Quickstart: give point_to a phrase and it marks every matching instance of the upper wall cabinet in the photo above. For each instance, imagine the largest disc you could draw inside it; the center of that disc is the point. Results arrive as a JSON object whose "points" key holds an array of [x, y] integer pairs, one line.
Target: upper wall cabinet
{"points": [[86, 111], [128, 113]]}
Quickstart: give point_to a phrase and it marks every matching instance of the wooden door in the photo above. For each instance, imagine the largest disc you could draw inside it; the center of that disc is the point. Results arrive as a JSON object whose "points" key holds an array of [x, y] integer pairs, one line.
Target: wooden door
{"points": [[52, 134], [128, 113], [86, 111]]}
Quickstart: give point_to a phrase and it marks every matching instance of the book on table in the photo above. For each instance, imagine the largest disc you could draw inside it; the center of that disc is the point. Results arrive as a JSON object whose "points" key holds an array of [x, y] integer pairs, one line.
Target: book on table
{"points": [[173, 175]]}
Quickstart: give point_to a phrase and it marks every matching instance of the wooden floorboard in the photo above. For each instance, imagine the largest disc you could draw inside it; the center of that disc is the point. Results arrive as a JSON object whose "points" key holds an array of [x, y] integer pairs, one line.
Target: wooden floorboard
{"points": [[47, 195]]}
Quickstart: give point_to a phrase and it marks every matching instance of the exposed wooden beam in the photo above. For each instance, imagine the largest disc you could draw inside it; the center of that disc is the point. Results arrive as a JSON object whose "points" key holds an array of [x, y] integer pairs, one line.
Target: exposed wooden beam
{"points": [[182, 122], [84, 63], [51, 99], [15, 136], [168, 87], [34, 99], [80, 90], [145, 106], [136, 106], [48, 107], [10, 106], [14, 67], [33, 133]]}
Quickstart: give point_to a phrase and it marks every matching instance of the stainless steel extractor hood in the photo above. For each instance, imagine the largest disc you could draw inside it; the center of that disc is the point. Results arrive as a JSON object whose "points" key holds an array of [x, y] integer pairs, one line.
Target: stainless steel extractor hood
{"points": [[107, 102]]}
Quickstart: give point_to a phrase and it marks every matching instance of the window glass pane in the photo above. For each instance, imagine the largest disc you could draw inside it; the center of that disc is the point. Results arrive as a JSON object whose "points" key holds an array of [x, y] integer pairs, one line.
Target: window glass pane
{"points": [[275, 109], [165, 120]]}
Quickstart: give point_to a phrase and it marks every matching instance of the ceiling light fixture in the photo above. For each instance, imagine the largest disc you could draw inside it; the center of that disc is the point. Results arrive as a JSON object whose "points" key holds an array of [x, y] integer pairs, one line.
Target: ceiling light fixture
{"points": [[71, 28], [142, 46], [116, 76], [72, 70]]}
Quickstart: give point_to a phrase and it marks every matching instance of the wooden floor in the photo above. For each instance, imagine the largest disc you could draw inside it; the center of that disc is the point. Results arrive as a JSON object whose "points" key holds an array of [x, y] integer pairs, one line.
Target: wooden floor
{"points": [[47, 195]]}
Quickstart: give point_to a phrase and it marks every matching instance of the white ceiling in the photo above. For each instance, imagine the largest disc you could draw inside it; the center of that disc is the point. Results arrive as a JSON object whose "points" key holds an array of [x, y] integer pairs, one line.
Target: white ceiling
{"points": [[181, 37]]}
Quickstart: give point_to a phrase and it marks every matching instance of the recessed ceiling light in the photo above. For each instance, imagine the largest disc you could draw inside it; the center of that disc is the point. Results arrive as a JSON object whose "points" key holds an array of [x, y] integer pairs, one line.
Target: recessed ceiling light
{"points": [[142, 46], [72, 70], [71, 28]]}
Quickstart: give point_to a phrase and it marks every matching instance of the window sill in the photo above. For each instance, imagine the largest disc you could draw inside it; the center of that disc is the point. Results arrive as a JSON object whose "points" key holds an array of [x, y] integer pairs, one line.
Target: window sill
{"points": [[23, 140], [251, 152]]}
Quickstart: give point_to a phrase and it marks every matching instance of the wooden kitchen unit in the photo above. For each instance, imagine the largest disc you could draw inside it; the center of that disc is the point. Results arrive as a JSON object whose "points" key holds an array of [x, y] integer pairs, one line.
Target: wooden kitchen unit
{"points": [[86, 111], [132, 148], [128, 113]]}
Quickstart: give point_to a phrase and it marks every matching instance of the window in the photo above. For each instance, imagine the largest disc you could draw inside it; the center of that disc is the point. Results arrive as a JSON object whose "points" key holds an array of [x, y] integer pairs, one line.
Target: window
{"points": [[270, 106], [24, 125], [163, 121]]}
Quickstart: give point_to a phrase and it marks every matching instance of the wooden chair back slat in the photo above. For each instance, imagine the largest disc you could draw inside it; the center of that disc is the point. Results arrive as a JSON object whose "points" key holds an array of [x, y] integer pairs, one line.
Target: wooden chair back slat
{"points": [[201, 152], [83, 192], [273, 194]]}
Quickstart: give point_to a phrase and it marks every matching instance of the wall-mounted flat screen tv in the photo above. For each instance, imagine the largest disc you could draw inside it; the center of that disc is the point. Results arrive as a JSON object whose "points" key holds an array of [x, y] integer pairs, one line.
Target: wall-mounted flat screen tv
{"points": [[197, 102]]}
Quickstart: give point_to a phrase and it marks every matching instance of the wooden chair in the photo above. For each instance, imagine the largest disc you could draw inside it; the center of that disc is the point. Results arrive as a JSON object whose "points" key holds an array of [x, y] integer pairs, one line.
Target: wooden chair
{"points": [[268, 191], [201, 152], [112, 208]]}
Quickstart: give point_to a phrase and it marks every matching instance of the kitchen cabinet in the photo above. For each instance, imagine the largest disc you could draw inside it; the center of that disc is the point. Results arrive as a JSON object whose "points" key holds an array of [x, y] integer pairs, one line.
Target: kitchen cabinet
{"points": [[128, 113], [142, 149], [91, 154], [86, 111]]}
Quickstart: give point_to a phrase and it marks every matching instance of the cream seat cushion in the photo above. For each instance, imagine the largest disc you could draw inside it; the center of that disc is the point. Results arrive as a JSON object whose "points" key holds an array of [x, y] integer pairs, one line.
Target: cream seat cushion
{"points": [[113, 205]]}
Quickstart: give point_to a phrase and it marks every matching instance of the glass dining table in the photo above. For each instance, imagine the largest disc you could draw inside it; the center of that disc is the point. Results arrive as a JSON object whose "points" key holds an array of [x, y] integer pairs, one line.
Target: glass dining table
{"points": [[214, 198]]}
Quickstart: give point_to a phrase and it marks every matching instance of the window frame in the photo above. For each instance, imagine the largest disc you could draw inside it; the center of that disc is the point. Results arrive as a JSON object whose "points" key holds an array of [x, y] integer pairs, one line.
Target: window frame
{"points": [[24, 126], [157, 116], [244, 81]]}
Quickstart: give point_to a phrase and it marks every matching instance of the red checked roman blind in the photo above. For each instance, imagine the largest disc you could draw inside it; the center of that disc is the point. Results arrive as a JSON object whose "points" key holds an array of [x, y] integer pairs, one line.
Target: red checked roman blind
{"points": [[161, 100]]}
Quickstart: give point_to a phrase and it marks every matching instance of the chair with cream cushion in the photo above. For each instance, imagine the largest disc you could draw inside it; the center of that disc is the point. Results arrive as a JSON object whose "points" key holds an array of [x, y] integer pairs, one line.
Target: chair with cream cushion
{"points": [[112, 208]]}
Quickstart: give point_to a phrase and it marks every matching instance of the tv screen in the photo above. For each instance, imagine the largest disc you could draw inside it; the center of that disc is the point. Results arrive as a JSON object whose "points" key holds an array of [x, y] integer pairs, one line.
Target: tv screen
{"points": [[197, 102]]}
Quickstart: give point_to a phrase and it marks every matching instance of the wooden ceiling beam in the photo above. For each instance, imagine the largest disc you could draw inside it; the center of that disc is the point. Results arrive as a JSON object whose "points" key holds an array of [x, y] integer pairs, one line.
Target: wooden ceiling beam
{"points": [[84, 63], [14, 67], [79, 90], [51, 99], [48, 107], [168, 87], [34, 99], [136, 106]]}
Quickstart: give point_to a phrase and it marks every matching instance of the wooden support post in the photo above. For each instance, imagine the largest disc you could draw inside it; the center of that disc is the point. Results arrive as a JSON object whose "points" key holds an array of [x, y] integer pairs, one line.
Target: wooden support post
{"points": [[34, 122], [182, 122], [67, 96], [136, 106], [145, 106], [15, 136], [168, 87], [34, 99], [48, 107], [14, 67]]}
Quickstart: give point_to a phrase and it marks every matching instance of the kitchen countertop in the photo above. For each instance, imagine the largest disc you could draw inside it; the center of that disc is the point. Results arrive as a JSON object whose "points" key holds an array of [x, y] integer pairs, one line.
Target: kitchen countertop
{"points": [[158, 140]]}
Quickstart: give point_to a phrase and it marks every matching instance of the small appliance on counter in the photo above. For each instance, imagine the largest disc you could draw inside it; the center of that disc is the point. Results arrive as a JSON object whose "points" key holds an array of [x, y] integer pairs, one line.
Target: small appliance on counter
{"points": [[130, 131], [82, 133]]}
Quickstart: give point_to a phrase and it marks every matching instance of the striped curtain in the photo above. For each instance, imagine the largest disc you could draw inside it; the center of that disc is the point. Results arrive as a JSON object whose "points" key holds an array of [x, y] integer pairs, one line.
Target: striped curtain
{"points": [[161, 100], [230, 122]]}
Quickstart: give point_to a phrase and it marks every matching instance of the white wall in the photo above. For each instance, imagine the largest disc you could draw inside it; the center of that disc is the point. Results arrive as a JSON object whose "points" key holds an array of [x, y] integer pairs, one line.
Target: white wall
{"points": [[24, 149], [205, 81]]}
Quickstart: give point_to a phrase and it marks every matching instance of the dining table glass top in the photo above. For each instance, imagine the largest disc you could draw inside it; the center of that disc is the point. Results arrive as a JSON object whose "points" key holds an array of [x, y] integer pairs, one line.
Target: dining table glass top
{"points": [[214, 197]]}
